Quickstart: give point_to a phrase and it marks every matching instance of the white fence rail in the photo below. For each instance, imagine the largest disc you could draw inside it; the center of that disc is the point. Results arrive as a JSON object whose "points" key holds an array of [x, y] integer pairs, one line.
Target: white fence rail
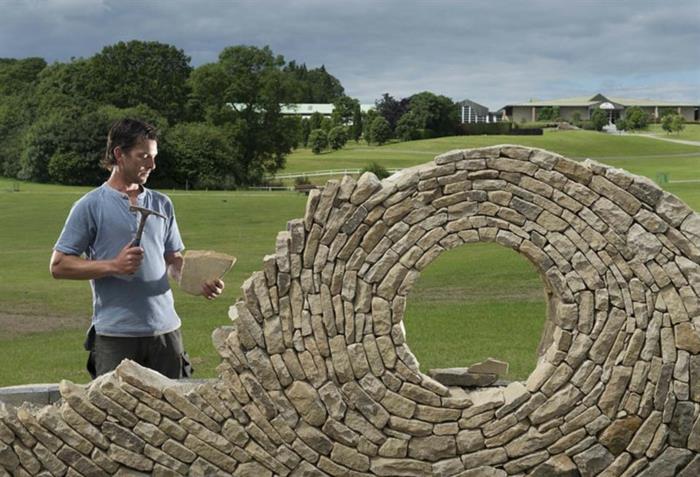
{"points": [[329, 172]]}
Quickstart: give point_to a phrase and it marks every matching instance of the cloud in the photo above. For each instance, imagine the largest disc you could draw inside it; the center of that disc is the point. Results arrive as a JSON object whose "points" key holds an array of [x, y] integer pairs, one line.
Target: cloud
{"points": [[491, 52]]}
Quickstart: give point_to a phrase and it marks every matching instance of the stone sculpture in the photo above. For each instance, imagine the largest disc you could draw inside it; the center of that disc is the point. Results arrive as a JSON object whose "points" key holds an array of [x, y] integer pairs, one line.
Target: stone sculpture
{"points": [[317, 379]]}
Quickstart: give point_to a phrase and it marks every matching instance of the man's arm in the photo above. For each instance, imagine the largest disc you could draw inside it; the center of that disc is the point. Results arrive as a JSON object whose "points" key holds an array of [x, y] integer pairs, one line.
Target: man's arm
{"points": [[73, 267], [175, 260]]}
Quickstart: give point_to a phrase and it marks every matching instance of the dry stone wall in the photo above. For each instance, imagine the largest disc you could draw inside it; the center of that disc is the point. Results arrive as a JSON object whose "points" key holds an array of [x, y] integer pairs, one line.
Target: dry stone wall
{"points": [[316, 376]]}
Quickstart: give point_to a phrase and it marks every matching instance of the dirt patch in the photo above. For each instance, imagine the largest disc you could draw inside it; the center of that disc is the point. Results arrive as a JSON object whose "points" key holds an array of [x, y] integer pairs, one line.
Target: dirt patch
{"points": [[15, 324]]}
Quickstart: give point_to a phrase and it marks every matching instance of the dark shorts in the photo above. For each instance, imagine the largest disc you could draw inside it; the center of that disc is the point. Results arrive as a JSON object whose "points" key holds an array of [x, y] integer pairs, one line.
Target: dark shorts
{"points": [[163, 353]]}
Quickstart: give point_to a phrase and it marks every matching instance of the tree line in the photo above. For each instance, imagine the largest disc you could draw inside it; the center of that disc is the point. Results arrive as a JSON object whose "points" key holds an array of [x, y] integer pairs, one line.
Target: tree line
{"points": [[221, 123], [54, 118], [420, 116]]}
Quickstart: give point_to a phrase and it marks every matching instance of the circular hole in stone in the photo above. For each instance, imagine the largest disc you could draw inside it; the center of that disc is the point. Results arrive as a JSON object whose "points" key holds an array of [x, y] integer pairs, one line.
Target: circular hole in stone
{"points": [[477, 301]]}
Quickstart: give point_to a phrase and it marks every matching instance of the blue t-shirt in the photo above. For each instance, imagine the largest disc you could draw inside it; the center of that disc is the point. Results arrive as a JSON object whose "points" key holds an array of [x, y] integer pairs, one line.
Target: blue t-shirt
{"points": [[100, 225]]}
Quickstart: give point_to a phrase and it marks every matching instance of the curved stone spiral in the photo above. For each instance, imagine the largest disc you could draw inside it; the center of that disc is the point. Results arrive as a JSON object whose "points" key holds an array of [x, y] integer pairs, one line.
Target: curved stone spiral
{"points": [[317, 379]]}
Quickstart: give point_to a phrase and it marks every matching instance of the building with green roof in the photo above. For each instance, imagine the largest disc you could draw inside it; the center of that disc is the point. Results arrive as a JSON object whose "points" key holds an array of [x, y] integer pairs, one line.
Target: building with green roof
{"points": [[569, 108]]}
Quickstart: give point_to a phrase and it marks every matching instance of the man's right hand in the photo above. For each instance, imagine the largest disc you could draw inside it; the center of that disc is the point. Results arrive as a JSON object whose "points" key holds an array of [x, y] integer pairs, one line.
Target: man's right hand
{"points": [[129, 260]]}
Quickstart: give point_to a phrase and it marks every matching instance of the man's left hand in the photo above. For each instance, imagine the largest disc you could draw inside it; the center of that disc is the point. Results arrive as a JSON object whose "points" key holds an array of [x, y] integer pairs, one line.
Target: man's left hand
{"points": [[213, 289]]}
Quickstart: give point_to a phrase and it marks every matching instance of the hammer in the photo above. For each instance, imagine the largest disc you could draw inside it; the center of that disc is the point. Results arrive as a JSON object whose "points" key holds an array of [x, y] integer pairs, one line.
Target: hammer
{"points": [[144, 215]]}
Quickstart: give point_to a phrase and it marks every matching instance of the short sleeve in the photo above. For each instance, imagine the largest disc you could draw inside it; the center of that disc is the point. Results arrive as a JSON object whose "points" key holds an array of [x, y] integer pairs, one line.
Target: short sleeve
{"points": [[79, 230], [173, 241]]}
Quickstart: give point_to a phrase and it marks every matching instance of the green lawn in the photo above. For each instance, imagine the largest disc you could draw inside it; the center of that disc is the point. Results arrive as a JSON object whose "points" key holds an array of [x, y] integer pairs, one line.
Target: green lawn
{"points": [[691, 132], [573, 144], [477, 301]]}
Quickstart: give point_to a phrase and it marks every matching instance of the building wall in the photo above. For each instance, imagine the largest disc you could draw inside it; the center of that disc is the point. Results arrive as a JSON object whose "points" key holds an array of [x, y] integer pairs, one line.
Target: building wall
{"points": [[524, 113], [567, 112]]}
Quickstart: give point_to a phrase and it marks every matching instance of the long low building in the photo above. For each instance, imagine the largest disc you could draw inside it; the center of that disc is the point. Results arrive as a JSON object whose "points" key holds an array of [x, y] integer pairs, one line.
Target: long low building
{"points": [[304, 110], [583, 107]]}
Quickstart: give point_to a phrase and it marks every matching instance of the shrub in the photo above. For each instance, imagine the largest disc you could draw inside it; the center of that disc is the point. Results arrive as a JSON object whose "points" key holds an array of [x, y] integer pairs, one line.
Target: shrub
{"points": [[376, 169], [318, 140], [599, 119], [473, 129], [636, 118], [576, 119], [380, 132], [301, 180], [337, 138], [672, 123]]}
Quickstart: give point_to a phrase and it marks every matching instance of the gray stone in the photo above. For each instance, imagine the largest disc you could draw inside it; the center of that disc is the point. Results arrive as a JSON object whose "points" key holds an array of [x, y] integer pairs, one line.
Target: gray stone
{"points": [[593, 461], [461, 377]]}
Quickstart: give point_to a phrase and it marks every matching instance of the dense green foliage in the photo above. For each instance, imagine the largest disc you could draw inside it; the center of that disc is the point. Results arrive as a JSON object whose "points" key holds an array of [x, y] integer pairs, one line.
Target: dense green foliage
{"points": [[421, 116], [54, 118], [318, 140], [548, 113], [392, 109], [379, 131], [599, 119], [672, 123], [635, 118], [337, 137], [377, 169]]}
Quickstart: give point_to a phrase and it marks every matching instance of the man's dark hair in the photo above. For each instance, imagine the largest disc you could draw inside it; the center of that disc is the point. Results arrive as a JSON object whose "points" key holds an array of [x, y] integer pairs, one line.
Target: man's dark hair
{"points": [[125, 134]]}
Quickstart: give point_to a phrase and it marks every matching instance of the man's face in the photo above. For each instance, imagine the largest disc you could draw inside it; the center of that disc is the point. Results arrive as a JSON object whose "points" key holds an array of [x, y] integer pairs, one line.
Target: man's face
{"points": [[137, 163]]}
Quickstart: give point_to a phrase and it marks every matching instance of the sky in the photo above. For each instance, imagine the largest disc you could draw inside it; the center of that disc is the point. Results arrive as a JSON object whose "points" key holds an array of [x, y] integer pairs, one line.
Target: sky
{"points": [[493, 52]]}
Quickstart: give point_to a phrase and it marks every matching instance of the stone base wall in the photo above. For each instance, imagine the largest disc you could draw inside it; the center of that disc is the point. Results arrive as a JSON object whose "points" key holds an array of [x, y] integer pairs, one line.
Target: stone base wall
{"points": [[316, 376]]}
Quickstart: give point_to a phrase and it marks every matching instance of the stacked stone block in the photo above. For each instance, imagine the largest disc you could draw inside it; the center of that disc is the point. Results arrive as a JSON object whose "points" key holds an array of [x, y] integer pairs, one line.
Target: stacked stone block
{"points": [[316, 376]]}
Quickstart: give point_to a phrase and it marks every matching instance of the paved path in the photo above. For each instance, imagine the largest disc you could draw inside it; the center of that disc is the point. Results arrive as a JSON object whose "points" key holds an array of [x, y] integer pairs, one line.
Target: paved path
{"points": [[661, 138]]}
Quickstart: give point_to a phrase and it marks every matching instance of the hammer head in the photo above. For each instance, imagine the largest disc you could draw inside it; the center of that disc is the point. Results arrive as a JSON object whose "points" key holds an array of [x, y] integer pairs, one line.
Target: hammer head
{"points": [[144, 215], [144, 211]]}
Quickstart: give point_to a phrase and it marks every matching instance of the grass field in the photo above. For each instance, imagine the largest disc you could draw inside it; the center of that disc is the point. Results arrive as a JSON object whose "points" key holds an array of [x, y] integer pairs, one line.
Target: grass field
{"points": [[616, 150], [477, 301], [691, 132]]}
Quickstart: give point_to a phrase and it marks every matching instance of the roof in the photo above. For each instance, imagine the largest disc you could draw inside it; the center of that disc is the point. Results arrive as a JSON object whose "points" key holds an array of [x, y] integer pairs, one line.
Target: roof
{"points": [[586, 101], [326, 109], [473, 104]]}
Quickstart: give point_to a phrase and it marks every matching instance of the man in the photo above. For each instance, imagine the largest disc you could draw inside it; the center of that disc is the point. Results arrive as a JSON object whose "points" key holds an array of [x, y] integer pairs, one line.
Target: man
{"points": [[134, 315]]}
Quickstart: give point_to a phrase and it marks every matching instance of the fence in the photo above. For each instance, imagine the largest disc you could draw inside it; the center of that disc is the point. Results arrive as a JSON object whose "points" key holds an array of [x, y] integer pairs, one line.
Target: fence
{"points": [[329, 172]]}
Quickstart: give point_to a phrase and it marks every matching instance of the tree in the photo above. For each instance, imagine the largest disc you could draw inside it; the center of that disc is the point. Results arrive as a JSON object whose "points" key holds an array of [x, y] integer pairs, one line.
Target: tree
{"points": [[17, 75], [343, 110], [367, 119], [636, 118], [252, 81], [202, 156], [677, 123], [141, 72], [599, 119], [408, 128], [667, 123], [380, 132], [436, 115], [315, 120], [337, 137], [305, 131], [67, 145], [391, 109], [311, 86], [18, 81], [356, 129], [318, 140]]}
